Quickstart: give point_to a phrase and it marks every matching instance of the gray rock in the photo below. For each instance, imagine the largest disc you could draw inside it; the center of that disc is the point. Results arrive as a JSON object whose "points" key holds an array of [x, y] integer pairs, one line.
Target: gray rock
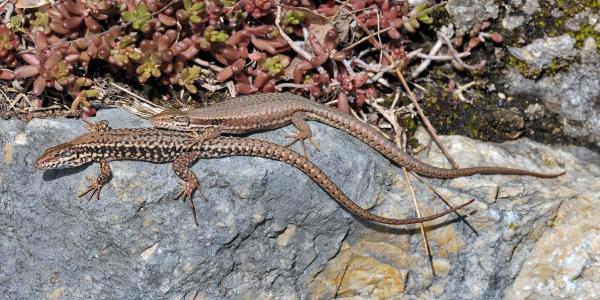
{"points": [[530, 7], [573, 93], [541, 52], [510, 22], [582, 18], [466, 13], [267, 231], [519, 12]]}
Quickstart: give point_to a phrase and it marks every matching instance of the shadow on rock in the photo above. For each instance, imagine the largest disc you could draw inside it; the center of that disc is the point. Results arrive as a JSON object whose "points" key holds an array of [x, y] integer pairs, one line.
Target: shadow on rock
{"points": [[50, 175]]}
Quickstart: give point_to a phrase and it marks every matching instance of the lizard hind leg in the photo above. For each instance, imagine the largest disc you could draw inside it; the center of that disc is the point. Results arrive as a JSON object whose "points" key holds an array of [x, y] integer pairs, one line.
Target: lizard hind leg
{"points": [[303, 133], [181, 167], [96, 185]]}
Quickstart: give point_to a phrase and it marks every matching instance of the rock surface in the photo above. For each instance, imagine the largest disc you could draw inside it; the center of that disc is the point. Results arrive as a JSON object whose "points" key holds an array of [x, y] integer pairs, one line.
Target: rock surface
{"points": [[466, 13], [542, 52], [268, 231], [573, 93]]}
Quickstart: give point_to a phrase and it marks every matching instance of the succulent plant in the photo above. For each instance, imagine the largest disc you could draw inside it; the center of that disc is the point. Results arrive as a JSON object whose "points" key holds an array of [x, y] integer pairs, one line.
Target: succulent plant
{"points": [[8, 42], [188, 77], [138, 18]]}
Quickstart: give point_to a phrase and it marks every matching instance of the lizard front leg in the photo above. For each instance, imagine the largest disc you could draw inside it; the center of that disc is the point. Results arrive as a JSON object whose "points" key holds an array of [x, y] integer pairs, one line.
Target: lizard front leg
{"points": [[96, 185], [303, 133], [203, 135], [181, 167]]}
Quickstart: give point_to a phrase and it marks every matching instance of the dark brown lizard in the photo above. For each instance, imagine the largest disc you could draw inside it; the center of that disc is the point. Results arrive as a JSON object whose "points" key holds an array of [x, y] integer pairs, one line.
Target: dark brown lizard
{"points": [[255, 112]]}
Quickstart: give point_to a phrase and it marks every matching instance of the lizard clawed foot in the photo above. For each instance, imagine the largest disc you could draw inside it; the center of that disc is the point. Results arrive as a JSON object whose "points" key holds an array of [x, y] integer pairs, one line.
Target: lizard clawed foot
{"points": [[301, 136], [95, 187], [188, 193]]}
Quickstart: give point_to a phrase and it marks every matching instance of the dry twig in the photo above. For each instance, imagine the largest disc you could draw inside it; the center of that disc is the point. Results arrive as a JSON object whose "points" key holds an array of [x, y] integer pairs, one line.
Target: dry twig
{"points": [[424, 118]]}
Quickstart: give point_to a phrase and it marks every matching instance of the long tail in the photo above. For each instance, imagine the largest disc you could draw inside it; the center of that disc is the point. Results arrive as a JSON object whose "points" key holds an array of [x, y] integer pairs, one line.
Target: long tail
{"points": [[232, 146], [384, 146]]}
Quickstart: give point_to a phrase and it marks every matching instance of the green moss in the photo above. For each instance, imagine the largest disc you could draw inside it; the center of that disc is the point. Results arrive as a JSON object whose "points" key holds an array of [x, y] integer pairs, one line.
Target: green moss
{"points": [[583, 33], [556, 66], [523, 68], [409, 124]]}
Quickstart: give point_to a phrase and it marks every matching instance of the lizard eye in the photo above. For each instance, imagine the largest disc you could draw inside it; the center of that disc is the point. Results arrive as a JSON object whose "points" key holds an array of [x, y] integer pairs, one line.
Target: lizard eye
{"points": [[67, 154]]}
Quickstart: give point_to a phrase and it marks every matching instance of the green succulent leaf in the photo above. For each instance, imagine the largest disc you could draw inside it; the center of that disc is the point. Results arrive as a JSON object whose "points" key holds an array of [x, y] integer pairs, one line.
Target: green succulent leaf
{"points": [[138, 18], [422, 12], [16, 23], [228, 3], [197, 6], [218, 36], [42, 20], [189, 75], [90, 93], [275, 65], [293, 17], [149, 68]]}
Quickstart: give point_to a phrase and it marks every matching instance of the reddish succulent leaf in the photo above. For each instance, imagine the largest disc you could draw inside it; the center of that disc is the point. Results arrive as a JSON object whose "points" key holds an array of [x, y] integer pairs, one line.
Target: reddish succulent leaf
{"points": [[473, 42], [261, 78], [263, 45], [39, 85], [167, 20], [269, 87], [245, 89], [75, 7], [496, 37], [91, 24], [225, 74], [26, 71], [7, 74], [342, 103], [53, 60], [58, 27]]}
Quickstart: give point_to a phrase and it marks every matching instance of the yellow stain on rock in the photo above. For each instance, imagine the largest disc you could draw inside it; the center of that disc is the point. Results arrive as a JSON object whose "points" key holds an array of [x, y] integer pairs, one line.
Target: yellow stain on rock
{"points": [[56, 294], [20, 139], [401, 257], [147, 222], [352, 274], [441, 266], [447, 239], [284, 238], [8, 153]]}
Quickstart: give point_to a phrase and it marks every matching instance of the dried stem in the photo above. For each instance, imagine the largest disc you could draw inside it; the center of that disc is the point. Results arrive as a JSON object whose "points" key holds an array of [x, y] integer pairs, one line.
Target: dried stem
{"points": [[424, 118], [307, 56], [447, 201], [421, 226], [455, 54]]}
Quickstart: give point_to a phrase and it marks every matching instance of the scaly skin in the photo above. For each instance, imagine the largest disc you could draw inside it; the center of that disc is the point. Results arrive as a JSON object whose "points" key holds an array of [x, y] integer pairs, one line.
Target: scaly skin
{"points": [[255, 112], [183, 148]]}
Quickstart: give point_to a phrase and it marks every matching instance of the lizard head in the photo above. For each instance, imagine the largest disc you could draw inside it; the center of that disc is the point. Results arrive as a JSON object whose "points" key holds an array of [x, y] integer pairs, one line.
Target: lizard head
{"points": [[62, 156], [171, 120]]}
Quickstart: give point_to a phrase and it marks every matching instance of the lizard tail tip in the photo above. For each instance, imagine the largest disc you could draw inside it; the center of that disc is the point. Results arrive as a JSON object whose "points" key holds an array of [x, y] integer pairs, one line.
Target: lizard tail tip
{"points": [[554, 175]]}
